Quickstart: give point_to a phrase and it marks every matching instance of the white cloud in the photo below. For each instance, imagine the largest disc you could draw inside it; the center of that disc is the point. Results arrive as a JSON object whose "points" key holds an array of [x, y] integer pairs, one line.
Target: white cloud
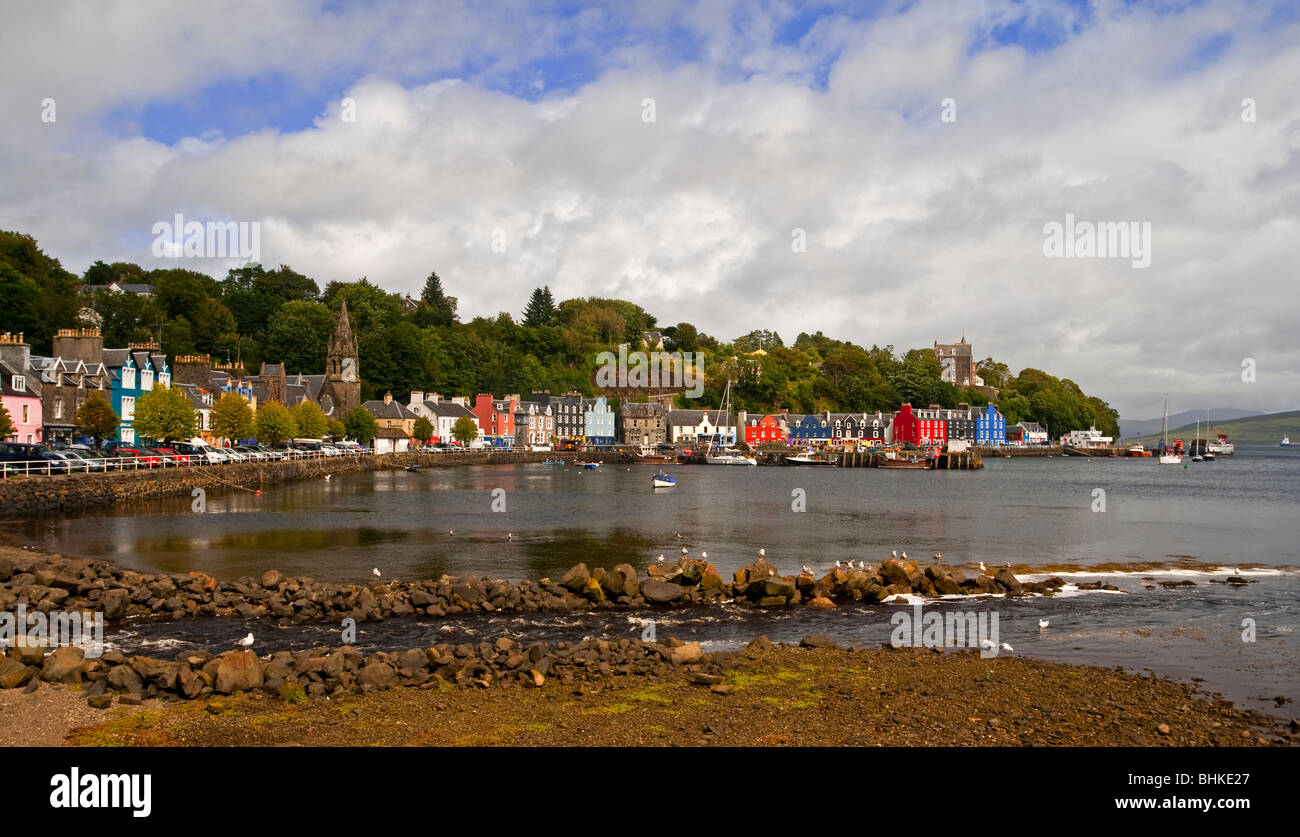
{"points": [[917, 230]]}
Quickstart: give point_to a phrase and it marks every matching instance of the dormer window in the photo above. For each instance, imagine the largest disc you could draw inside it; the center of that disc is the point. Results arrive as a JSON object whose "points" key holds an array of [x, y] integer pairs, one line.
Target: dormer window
{"points": [[19, 382]]}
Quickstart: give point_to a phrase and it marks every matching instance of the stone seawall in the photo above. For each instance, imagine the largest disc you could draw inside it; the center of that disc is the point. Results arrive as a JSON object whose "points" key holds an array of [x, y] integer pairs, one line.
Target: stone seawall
{"points": [[32, 495]]}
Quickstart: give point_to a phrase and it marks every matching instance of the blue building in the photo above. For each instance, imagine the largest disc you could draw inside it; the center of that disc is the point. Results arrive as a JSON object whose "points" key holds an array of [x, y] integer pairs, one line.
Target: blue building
{"points": [[990, 427], [810, 429], [598, 421], [134, 371]]}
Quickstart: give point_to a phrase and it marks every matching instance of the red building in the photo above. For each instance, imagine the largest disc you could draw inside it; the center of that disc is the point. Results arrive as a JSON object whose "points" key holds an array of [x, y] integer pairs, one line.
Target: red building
{"points": [[920, 427], [759, 429], [496, 416]]}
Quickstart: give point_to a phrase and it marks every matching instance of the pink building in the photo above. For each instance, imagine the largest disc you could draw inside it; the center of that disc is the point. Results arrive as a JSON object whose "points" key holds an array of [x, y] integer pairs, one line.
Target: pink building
{"points": [[18, 390]]}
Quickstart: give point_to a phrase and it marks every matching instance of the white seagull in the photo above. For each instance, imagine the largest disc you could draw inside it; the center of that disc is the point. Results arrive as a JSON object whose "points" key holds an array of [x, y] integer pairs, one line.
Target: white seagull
{"points": [[987, 644], [704, 556], [837, 565], [983, 568], [246, 642], [894, 554], [327, 477], [807, 571], [904, 556], [451, 532], [1006, 646], [376, 573], [510, 536], [683, 550], [1043, 623], [661, 557], [761, 552]]}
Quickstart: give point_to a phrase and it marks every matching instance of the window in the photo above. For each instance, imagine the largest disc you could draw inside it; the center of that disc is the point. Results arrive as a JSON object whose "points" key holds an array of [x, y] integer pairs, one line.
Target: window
{"points": [[146, 379], [58, 409], [20, 382], [26, 415], [128, 409], [128, 379]]}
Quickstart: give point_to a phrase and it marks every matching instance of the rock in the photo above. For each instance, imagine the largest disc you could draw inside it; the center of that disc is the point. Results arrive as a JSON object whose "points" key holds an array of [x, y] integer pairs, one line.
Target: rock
{"points": [[63, 665], [817, 641], [1163, 729], [773, 601], [377, 675], [29, 654], [238, 672], [756, 571], [686, 654], [760, 643], [535, 678], [660, 592], [13, 673], [701, 678], [822, 603], [100, 701], [271, 579], [720, 689], [1006, 578], [576, 578], [114, 604]]}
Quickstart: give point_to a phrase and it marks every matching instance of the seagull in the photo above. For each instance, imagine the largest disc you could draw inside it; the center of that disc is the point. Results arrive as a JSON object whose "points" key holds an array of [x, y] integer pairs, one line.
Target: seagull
{"points": [[807, 571], [762, 552], [376, 573], [451, 532], [683, 550], [510, 536], [327, 477], [938, 556], [894, 554], [862, 565], [246, 642], [679, 536], [1043, 623], [904, 556], [983, 568], [1006, 646], [837, 565], [987, 644], [771, 573], [661, 557], [704, 556]]}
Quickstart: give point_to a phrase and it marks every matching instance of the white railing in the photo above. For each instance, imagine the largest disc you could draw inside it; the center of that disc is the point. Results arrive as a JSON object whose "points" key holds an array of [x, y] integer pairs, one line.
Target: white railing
{"points": [[65, 467]]}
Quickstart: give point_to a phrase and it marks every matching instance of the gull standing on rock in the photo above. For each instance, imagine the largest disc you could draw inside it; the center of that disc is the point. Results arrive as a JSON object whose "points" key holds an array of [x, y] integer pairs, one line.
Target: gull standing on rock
{"points": [[1006, 646], [327, 477], [894, 554], [983, 568], [376, 573], [807, 571], [1043, 623], [661, 557], [246, 642]]}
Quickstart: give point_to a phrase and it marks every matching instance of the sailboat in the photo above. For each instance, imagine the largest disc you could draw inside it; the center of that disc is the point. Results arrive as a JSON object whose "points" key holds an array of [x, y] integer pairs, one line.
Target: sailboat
{"points": [[727, 456], [1167, 458], [1196, 446], [1207, 451]]}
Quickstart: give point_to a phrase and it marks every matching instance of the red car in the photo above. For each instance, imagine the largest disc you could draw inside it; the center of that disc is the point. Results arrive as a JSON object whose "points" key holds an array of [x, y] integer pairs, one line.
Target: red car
{"points": [[146, 459], [171, 457]]}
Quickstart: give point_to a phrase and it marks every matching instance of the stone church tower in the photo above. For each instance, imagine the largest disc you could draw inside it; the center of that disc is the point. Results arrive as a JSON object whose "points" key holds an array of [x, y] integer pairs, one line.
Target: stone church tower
{"points": [[341, 390]]}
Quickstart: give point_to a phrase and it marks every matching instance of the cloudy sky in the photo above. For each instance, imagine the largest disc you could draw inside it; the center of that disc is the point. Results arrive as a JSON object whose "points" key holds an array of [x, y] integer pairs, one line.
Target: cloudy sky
{"points": [[676, 155]]}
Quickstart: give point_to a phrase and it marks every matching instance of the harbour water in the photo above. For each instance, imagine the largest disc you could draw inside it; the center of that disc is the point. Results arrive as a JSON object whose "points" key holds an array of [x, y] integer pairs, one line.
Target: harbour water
{"points": [[1045, 516]]}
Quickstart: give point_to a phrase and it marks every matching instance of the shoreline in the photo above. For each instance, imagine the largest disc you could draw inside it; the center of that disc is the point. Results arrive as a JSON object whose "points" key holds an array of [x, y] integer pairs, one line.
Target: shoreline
{"points": [[815, 694]]}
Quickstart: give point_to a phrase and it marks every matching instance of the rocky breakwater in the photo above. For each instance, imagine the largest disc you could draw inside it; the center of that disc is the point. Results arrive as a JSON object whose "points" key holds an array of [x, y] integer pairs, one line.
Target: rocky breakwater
{"points": [[321, 672], [45, 583]]}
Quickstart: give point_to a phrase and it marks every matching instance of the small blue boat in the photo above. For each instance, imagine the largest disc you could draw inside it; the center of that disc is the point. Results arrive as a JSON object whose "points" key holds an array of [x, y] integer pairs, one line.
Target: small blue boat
{"points": [[662, 480]]}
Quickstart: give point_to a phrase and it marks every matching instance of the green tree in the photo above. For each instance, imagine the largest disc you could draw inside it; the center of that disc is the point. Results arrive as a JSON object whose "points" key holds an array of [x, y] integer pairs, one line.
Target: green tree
{"points": [[311, 420], [297, 335], [95, 418], [6, 423], [336, 430], [441, 308], [232, 418], [274, 424], [423, 430], [464, 430], [165, 413], [360, 425], [541, 308]]}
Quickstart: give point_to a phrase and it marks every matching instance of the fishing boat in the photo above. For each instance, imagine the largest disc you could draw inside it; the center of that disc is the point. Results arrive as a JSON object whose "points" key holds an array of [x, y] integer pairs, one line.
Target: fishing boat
{"points": [[662, 480], [1138, 450], [1221, 446], [648, 455], [590, 466], [553, 463], [727, 456], [1286, 442], [1167, 456], [808, 458], [913, 462]]}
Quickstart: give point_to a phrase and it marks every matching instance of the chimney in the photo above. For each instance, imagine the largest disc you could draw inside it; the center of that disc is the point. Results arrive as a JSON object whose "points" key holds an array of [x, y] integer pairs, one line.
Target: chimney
{"points": [[388, 397], [417, 398], [84, 344], [192, 369], [15, 352]]}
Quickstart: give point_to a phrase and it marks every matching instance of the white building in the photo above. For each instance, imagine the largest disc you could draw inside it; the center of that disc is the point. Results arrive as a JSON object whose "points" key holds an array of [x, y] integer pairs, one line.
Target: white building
{"points": [[1090, 438]]}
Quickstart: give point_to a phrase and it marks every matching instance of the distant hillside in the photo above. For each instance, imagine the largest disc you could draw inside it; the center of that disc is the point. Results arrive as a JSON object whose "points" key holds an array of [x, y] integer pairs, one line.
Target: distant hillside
{"points": [[1143, 427], [1261, 428]]}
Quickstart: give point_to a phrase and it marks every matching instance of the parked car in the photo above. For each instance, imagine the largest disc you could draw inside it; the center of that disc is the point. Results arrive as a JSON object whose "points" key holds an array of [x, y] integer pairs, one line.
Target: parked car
{"points": [[251, 453], [87, 452], [147, 458], [77, 463], [171, 457]]}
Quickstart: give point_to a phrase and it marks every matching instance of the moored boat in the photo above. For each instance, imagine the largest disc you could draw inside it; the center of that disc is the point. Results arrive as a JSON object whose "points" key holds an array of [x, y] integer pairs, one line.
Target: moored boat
{"points": [[1169, 456], [810, 459], [1138, 450], [1286, 442], [662, 480]]}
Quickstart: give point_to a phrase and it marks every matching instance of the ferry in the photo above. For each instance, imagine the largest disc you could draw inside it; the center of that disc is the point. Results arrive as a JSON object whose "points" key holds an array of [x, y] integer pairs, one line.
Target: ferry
{"points": [[1221, 446]]}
